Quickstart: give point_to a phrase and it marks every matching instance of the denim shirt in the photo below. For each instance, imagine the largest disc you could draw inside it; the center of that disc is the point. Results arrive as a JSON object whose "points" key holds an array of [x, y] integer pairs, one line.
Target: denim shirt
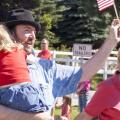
{"points": [[55, 80], [49, 81]]}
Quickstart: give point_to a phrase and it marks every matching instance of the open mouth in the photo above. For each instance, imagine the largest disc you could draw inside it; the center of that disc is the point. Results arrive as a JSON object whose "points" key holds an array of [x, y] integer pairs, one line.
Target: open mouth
{"points": [[28, 45]]}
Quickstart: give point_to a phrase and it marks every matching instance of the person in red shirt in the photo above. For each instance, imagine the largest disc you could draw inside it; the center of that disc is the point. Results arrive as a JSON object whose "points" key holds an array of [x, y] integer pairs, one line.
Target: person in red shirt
{"points": [[66, 107], [45, 53], [105, 104], [13, 67]]}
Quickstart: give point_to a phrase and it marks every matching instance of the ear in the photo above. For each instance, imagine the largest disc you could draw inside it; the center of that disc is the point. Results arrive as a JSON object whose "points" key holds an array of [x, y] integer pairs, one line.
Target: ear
{"points": [[13, 33]]}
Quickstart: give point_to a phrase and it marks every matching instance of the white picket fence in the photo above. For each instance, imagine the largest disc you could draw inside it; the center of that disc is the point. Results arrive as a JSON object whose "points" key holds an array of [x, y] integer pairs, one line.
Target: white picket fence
{"points": [[67, 58]]}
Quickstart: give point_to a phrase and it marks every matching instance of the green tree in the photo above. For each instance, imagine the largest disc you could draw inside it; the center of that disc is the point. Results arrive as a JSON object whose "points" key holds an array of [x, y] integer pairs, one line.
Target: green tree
{"points": [[46, 14], [96, 24], [74, 27], [6, 5], [99, 21], [70, 20]]}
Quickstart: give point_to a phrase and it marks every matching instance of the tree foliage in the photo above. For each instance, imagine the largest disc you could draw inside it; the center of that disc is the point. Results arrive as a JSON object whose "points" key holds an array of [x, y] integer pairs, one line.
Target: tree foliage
{"points": [[74, 25], [82, 22], [65, 22]]}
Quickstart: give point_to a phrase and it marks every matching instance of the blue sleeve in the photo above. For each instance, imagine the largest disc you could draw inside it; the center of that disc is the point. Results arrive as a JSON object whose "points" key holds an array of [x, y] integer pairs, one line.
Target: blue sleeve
{"points": [[60, 79], [66, 79]]}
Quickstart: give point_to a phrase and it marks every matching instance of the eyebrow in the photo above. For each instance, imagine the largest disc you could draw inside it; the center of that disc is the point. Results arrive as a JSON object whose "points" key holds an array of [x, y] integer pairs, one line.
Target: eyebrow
{"points": [[29, 27]]}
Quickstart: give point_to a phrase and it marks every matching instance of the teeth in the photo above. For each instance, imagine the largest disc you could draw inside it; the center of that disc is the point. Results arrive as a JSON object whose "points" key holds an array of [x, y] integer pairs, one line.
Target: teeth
{"points": [[29, 43]]}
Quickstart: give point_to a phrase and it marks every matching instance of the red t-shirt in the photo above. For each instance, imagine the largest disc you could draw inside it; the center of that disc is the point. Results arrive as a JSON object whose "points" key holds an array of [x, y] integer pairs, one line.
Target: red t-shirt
{"points": [[13, 67], [106, 102], [45, 54], [65, 111]]}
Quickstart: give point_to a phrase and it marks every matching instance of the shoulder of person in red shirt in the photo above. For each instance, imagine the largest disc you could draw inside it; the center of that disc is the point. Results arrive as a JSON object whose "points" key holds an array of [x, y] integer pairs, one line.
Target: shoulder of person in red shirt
{"points": [[105, 98]]}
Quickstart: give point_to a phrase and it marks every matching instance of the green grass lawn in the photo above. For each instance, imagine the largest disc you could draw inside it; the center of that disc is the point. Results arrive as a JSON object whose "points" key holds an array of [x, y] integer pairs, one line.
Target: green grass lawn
{"points": [[74, 112]]}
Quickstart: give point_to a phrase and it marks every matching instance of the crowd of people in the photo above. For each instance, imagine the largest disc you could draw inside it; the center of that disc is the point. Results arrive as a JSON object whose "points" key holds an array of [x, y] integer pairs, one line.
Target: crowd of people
{"points": [[28, 91]]}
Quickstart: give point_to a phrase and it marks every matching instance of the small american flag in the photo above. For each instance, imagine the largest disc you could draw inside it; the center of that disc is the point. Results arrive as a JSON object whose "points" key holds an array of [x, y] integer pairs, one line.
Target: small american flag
{"points": [[103, 4]]}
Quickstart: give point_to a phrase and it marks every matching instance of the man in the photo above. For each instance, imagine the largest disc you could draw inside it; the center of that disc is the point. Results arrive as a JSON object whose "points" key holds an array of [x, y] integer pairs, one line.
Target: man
{"points": [[53, 80], [45, 53]]}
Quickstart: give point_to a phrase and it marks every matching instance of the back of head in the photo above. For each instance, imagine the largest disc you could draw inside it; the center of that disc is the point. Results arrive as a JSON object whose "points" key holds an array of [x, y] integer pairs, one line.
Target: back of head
{"points": [[20, 16], [68, 100], [6, 41]]}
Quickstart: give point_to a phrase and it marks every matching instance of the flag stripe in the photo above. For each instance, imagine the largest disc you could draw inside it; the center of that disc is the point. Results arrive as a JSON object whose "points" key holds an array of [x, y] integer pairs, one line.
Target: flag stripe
{"points": [[100, 4], [103, 4]]}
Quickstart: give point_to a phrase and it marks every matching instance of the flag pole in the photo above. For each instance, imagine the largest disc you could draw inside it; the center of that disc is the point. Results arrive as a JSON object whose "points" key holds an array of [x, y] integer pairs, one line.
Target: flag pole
{"points": [[115, 10]]}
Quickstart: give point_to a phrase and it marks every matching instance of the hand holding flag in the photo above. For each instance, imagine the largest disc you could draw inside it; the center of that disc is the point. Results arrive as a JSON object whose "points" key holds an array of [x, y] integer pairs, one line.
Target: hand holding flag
{"points": [[104, 4]]}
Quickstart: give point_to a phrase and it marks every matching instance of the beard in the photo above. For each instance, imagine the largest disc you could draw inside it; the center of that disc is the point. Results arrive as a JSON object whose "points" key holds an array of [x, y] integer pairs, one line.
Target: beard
{"points": [[28, 46], [28, 49]]}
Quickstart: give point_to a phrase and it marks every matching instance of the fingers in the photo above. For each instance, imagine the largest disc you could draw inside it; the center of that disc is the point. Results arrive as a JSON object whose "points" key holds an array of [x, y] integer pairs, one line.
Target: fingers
{"points": [[115, 29], [115, 22], [80, 86], [118, 32]]}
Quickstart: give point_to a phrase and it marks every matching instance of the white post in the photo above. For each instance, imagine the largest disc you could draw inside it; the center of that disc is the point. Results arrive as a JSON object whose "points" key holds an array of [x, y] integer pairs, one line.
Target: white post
{"points": [[115, 10], [105, 71], [54, 54]]}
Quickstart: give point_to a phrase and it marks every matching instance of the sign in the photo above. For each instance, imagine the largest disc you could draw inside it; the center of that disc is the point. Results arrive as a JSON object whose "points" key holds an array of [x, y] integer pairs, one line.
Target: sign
{"points": [[83, 50]]}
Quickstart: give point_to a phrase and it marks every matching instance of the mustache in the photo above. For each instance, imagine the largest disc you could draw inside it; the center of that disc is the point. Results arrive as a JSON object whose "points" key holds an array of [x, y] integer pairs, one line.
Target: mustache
{"points": [[30, 38]]}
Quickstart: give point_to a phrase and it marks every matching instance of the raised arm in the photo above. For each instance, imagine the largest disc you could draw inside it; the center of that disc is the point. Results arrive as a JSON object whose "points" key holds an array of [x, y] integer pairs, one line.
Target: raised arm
{"points": [[96, 62]]}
